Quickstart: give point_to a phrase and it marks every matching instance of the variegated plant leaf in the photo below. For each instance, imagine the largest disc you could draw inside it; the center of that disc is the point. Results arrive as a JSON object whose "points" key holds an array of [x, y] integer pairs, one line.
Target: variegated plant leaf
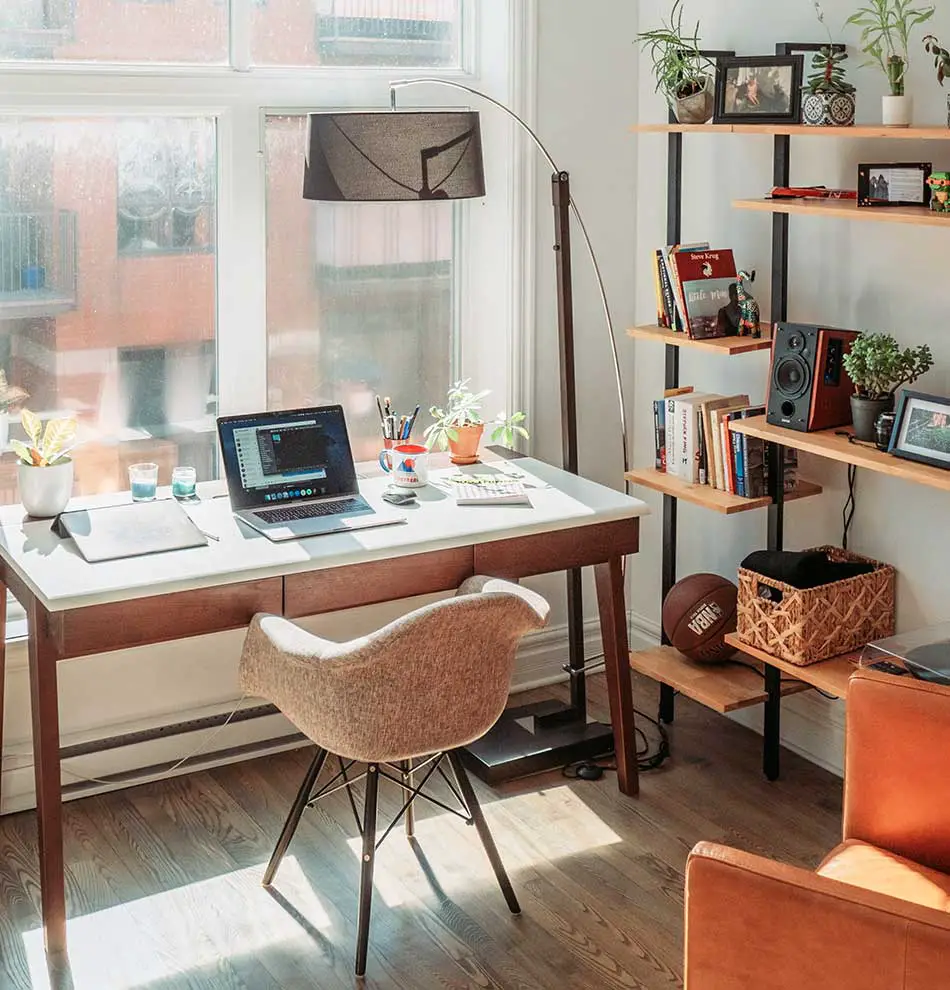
{"points": [[58, 436], [33, 426], [22, 451]]}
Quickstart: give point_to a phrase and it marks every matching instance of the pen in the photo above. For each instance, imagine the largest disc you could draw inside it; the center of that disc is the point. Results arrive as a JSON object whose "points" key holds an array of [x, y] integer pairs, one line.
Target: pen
{"points": [[412, 422], [388, 403], [379, 406]]}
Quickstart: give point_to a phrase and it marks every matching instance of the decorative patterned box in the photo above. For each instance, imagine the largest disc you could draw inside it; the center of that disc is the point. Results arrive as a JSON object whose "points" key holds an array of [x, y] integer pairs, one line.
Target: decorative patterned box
{"points": [[805, 626]]}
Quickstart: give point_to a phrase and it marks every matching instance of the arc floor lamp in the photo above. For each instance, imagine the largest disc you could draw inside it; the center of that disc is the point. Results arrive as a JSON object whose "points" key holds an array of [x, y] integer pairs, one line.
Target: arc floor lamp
{"points": [[399, 155]]}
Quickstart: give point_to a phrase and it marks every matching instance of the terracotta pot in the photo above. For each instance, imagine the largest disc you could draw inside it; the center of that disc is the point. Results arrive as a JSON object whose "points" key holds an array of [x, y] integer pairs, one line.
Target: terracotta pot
{"points": [[465, 449], [698, 108]]}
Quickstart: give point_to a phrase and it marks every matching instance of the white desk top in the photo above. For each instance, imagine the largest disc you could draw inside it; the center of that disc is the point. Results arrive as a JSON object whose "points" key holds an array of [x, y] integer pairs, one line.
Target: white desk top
{"points": [[53, 569]]}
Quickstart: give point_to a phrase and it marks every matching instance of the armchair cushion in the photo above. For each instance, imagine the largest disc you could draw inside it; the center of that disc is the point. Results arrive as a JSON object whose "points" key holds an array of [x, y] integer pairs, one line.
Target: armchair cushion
{"points": [[870, 868]]}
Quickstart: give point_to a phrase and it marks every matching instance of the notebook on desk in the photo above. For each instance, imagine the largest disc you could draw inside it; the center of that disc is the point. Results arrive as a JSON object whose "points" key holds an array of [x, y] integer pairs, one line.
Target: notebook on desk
{"points": [[131, 530]]}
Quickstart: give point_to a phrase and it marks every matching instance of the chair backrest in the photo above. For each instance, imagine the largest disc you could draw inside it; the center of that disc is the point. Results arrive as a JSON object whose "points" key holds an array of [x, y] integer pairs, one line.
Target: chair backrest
{"points": [[433, 680]]}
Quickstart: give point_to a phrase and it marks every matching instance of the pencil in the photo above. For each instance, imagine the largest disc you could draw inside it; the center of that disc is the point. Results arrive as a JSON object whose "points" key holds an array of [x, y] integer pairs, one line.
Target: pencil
{"points": [[379, 406]]}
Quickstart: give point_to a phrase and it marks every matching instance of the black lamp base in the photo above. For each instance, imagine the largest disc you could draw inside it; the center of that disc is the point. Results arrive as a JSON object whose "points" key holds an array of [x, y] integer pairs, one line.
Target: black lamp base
{"points": [[533, 739]]}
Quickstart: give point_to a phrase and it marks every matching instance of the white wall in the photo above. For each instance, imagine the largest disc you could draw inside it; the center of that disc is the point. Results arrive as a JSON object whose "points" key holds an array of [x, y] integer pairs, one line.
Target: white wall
{"points": [[865, 276]]}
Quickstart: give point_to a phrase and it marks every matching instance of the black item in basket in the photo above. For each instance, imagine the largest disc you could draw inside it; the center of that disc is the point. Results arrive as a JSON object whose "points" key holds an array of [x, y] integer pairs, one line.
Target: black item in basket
{"points": [[805, 569]]}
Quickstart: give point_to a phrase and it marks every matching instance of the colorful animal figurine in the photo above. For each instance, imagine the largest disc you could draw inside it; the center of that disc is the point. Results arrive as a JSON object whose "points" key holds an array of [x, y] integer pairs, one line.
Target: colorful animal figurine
{"points": [[939, 183], [749, 312]]}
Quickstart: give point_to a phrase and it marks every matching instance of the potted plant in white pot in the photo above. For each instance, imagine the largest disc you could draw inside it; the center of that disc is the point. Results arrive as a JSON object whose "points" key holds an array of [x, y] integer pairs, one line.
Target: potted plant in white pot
{"points": [[10, 395], [877, 368], [44, 472], [459, 426], [941, 59], [886, 26], [828, 99], [683, 74]]}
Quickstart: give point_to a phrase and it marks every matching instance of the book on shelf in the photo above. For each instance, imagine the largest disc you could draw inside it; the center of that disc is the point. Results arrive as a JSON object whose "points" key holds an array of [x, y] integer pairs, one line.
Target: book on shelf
{"points": [[662, 305], [685, 424], [669, 398], [709, 292], [717, 410], [659, 433], [745, 480], [673, 305]]}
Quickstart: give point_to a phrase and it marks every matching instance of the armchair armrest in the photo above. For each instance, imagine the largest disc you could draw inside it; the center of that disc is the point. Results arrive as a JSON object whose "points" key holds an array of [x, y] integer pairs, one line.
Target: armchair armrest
{"points": [[897, 789], [751, 922]]}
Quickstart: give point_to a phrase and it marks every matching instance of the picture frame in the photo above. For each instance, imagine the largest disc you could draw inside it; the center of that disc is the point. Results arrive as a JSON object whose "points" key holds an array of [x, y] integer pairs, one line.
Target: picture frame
{"points": [[922, 429], [884, 184], [760, 89]]}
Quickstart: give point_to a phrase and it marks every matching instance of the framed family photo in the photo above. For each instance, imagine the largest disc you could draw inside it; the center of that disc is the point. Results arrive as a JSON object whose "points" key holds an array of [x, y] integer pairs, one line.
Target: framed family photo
{"points": [[922, 429], [764, 89]]}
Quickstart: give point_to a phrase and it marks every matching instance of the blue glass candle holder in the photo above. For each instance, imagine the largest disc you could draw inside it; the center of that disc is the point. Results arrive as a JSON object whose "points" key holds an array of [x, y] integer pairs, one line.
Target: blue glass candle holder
{"points": [[143, 480], [183, 482]]}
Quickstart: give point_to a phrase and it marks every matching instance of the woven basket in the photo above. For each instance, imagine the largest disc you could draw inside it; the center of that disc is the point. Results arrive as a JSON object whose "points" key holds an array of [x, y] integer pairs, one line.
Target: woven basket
{"points": [[805, 626]]}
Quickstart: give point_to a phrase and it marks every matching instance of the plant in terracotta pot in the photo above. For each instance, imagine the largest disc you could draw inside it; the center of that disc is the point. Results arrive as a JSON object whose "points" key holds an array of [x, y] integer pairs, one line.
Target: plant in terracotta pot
{"points": [[44, 472], [459, 426], [877, 368], [828, 98], [683, 74], [941, 59], [886, 26], [10, 395]]}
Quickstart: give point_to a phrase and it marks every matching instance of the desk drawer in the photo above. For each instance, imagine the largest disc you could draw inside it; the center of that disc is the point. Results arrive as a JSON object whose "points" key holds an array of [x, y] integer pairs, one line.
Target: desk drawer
{"points": [[561, 550], [315, 592], [119, 625]]}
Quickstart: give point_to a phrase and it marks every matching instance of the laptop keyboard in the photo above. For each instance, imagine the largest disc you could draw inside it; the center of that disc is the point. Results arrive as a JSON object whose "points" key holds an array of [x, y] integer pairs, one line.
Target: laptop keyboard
{"points": [[294, 512]]}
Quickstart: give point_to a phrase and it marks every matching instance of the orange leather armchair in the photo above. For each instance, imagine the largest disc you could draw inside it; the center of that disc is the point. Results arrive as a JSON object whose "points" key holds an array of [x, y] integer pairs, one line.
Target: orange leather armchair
{"points": [[876, 913]]}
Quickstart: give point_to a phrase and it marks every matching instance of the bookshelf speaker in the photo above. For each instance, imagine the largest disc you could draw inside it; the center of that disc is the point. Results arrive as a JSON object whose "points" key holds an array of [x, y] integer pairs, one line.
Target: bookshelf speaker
{"points": [[809, 388]]}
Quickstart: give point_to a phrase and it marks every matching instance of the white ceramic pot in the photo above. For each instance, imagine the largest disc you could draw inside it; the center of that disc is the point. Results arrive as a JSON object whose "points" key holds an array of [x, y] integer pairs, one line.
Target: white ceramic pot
{"points": [[44, 491], [897, 111], [4, 431]]}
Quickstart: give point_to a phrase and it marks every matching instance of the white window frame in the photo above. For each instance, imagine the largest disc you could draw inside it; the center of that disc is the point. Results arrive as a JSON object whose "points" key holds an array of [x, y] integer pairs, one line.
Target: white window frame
{"points": [[495, 278]]}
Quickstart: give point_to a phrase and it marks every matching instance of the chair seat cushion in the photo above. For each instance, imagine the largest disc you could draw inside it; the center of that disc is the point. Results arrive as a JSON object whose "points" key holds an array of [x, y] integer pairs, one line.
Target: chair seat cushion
{"points": [[867, 866]]}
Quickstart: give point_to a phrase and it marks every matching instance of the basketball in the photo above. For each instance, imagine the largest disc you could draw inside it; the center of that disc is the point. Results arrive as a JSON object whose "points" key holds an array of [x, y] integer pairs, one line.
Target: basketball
{"points": [[697, 614]]}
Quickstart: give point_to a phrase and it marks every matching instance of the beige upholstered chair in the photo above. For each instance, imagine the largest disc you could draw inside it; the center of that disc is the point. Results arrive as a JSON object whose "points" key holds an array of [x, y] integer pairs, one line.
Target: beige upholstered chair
{"points": [[423, 686]]}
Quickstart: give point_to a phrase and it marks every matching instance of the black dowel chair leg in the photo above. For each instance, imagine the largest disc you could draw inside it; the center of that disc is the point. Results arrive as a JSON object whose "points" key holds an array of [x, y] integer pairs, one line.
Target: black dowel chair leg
{"points": [[408, 778], [296, 812], [475, 811], [367, 865]]}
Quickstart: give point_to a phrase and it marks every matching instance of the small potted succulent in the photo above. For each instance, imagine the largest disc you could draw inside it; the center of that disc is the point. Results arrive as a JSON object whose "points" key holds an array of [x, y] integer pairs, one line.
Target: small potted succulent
{"points": [[886, 26], [44, 472], [683, 74], [941, 59], [10, 395], [828, 99], [877, 368], [459, 426]]}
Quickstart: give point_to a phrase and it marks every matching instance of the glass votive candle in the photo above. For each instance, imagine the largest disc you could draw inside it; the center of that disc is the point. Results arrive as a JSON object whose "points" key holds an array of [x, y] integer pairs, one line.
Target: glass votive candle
{"points": [[183, 482], [143, 480]]}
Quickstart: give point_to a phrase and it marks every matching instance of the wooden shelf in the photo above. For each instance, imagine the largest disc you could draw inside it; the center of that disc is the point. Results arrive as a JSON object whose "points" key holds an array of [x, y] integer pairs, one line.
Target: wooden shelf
{"points": [[709, 497], [831, 675], [835, 448], [716, 345], [801, 130], [722, 687], [848, 209]]}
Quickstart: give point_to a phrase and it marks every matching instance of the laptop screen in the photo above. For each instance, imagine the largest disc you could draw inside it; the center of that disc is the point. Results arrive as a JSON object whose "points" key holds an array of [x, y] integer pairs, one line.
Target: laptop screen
{"points": [[277, 458]]}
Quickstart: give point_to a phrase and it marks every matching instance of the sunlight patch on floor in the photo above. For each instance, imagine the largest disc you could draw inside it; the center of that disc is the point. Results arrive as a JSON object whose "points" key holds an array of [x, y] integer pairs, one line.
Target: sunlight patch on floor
{"points": [[183, 930]]}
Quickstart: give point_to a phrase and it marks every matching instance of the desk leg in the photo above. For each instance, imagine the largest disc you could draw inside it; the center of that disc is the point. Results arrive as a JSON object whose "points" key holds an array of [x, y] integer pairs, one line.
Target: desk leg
{"points": [[49, 808], [613, 629]]}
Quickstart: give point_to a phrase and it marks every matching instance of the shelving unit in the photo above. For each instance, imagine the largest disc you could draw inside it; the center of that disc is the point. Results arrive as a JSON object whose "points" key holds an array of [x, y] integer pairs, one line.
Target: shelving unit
{"points": [[831, 676], [712, 498], [715, 688], [728, 346]]}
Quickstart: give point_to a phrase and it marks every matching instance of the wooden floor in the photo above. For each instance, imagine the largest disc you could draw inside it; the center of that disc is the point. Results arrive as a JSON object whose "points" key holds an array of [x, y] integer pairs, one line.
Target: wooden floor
{"points": [[163, 879]]}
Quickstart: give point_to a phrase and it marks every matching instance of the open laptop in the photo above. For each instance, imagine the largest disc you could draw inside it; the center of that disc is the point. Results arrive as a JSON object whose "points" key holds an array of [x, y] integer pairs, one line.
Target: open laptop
{"points": [[291, 474]]}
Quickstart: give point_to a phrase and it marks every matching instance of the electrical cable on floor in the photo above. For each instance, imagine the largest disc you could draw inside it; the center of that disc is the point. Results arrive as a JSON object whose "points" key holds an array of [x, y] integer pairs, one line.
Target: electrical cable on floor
{"points": [[646, 760], [198, 751]]}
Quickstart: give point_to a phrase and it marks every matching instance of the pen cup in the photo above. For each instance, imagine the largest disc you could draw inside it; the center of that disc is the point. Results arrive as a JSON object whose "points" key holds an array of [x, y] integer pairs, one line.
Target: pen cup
{"points": [[408, 463], [143, 480]]}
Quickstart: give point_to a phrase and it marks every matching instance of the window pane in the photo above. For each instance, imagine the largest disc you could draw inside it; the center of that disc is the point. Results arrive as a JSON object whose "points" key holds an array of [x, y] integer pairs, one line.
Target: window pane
{"points": [[115, 30], [357, 32], [107, 289], [359, 297]]}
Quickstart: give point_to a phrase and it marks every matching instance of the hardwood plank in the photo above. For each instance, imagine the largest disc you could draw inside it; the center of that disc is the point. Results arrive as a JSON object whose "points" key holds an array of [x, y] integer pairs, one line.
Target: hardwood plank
{"points": [[558, 551], [721, 687], [315, 592], [847, 209], [3, 670], [100, 628], [725, 346], [826, 443], [711, 498], [802, 130], [831, 675]]}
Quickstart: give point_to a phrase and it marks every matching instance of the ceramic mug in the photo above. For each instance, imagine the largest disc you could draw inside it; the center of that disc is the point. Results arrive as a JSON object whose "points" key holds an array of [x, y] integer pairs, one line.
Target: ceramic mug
{"points": [[408, 463]]}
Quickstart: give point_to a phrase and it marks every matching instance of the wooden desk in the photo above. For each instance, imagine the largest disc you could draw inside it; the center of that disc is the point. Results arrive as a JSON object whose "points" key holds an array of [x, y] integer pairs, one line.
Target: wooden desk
{"points": [[76, 609]]}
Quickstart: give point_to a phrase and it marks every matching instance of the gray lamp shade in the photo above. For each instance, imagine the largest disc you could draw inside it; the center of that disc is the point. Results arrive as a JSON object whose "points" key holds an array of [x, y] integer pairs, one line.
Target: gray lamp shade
{"points": [[394, 155]]}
